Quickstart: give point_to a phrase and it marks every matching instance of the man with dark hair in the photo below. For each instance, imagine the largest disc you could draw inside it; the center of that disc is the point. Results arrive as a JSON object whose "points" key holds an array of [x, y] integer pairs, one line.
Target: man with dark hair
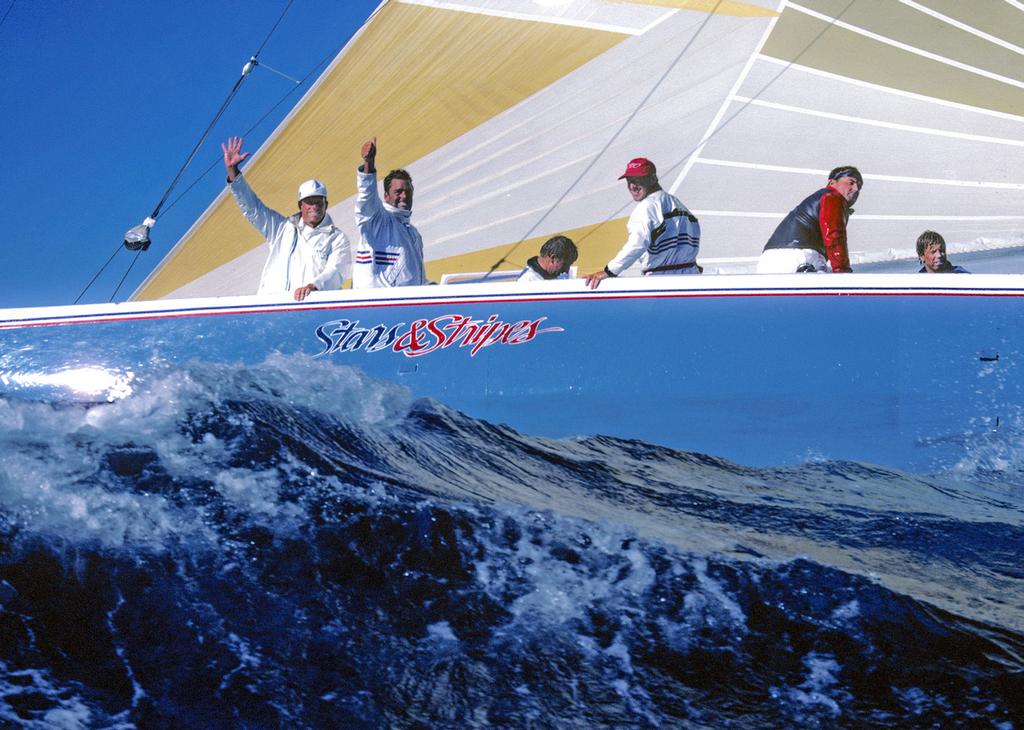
{"points": [[661, 229], [931, 252], [556, 256], [390, 249], [307, 251], [812, 237]]}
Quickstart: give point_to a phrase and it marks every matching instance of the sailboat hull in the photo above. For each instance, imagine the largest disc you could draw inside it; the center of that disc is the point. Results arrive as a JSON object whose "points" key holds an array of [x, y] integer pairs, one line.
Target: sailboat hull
{"points": [[903, 371]]}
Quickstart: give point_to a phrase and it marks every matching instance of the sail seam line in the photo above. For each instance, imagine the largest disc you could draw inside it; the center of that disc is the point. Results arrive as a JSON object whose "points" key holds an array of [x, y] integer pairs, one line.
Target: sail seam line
{"points": [[907, 47], [607, 145], [715, 124], [963, 26], [606, 27], [890, 89], [885, 178], [702, 213], [879, 123]]}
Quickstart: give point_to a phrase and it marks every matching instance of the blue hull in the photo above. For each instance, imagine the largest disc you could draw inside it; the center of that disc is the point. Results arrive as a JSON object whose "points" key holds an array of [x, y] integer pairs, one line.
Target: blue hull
{"points": [[903, 371]]}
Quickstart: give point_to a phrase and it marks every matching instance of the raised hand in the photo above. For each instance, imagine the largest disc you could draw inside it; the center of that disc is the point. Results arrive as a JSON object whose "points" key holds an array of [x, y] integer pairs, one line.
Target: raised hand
{"points": [[369, 153], [233, 156]]}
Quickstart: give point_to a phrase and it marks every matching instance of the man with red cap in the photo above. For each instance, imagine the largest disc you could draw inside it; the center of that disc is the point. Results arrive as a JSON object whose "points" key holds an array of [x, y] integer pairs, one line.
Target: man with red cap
{"points": [[812, 237], [307, 251], [662, 231]]}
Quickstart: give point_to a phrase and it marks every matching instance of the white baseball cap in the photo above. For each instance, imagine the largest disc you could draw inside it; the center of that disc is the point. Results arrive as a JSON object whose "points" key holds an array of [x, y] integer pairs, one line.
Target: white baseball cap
{"points": [[311, 188]]}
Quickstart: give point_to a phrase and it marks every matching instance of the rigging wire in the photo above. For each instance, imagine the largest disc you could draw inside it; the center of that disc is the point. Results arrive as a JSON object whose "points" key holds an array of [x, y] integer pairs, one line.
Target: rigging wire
{"points": [[611, 140], [314, 70], [231, 95], [254, 62], [9, 8], [740, 110], [692, 150], [137, 238], [97, 274], [130, 267]]}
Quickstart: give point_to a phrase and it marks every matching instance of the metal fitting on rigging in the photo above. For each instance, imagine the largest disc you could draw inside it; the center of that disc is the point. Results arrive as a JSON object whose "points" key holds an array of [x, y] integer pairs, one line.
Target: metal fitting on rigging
{"points": [[137, 237]]}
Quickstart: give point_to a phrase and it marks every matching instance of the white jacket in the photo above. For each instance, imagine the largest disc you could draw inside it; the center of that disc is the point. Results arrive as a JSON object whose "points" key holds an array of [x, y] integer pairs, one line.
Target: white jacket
{"points": [[299, 254], [676, 237], [390, 250]]}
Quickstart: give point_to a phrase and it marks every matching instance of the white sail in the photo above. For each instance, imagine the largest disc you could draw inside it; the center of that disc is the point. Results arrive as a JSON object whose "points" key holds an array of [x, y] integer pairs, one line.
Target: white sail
{"points": [[516, 119]]}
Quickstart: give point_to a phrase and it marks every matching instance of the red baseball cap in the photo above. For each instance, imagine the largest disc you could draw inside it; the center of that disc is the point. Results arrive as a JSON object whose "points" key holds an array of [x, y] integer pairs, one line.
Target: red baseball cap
{"points": [[639, 167]]}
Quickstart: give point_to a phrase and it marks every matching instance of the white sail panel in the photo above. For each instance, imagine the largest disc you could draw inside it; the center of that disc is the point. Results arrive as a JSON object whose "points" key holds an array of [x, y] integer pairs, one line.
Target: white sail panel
{"points": [[743, 106], [416, 76]]}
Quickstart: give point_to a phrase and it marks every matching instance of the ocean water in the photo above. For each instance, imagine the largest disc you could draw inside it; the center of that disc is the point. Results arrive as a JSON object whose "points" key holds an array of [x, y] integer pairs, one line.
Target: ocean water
{"points": [[296, 545]]}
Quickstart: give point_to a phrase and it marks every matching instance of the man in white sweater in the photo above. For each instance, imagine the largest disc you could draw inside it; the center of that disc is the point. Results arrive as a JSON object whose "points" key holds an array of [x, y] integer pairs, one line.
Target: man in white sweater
{"points": [[307, 252], [390, 249], [661, 229]]}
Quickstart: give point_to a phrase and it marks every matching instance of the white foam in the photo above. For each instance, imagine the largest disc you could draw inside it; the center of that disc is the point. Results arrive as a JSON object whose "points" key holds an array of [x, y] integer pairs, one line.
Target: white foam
{"points": [[54, 476], [819, 693]]}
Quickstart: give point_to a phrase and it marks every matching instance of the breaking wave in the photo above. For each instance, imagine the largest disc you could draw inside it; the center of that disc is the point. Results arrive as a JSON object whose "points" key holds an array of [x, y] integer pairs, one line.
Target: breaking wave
{"points": [[296, 545]]}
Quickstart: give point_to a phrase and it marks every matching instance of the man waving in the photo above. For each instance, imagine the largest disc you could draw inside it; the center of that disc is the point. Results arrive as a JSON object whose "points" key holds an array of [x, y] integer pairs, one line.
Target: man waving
{"points": [[390, 249], [307, 252]]}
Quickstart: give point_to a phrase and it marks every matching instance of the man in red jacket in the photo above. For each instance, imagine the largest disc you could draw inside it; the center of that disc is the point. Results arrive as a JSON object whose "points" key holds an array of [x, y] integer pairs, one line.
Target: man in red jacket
{"points": [[812, 237]]}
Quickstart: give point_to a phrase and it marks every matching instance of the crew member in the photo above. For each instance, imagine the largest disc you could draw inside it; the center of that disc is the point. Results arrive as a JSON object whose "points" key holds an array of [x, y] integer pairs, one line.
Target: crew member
{"points": [[556, 256], [931, 252], [307, 251], [662, 231], [812, 237], [390, 250]]}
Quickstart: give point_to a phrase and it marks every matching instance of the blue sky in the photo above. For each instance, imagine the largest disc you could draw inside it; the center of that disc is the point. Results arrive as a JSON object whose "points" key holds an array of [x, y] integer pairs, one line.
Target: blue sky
{"points": [[103, 100]]}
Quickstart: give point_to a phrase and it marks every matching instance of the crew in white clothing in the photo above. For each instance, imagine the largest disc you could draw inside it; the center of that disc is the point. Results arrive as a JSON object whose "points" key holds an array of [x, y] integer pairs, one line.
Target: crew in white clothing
{"points": [[390, 249], [661, 229], [307, 251], [556, 256]]}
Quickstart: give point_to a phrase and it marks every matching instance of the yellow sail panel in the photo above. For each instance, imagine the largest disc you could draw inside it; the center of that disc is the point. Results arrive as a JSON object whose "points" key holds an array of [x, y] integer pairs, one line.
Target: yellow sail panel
{"points": [[418, 78], [899, 55], [930, 31], [997, 17], [722, 7]]}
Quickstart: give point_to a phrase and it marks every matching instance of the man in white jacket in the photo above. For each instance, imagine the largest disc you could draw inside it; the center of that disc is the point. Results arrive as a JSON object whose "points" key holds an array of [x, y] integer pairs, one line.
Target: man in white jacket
{"points": [[307, 251], [661, 229], [390, 249]]}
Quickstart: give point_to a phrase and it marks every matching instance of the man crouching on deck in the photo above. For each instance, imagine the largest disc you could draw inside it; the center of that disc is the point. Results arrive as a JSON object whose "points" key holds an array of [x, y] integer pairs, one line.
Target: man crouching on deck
{"points": [[812, 236], [307, 252], [661, 229]]}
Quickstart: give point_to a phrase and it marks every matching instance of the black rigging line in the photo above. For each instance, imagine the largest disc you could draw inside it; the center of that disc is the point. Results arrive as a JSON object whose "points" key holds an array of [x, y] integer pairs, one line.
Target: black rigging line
{"points": [[9, 8], [611, 140], [314, 70], [692, 150], [274, 28], [220, 112], [97, 274], [231, 95], [130, 267]]}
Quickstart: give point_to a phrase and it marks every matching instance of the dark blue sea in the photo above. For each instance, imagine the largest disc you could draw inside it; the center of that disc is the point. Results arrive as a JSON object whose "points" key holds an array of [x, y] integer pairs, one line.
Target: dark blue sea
{"points": [[294, 545]]}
